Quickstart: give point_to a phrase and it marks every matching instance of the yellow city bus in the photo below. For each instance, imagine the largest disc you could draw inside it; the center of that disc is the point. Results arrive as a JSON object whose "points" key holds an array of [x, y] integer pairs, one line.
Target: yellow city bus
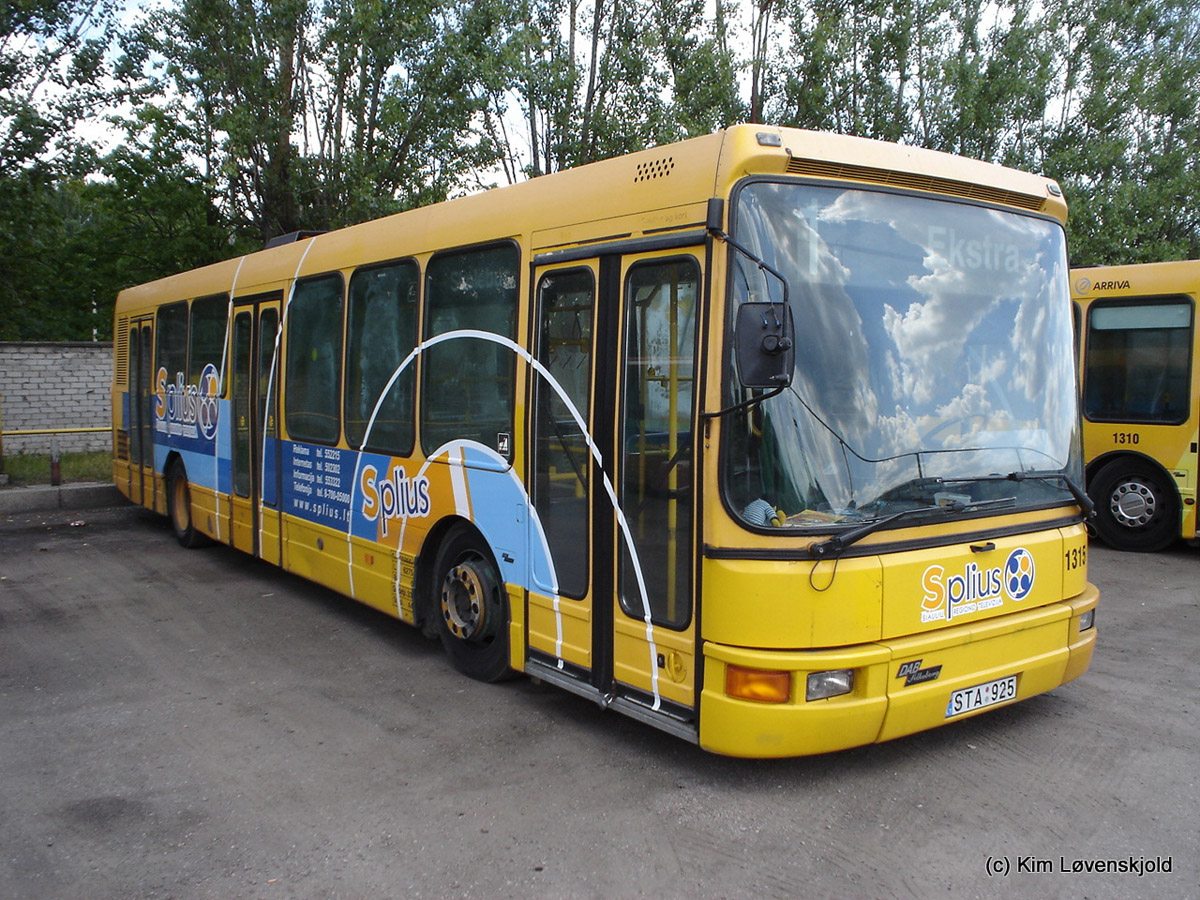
{"points": [[1137, 332], [768, 439]]}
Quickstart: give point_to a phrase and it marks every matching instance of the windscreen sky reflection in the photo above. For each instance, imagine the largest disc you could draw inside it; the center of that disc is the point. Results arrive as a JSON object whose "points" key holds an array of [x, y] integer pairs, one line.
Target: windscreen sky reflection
{"points": [[933, 340]]}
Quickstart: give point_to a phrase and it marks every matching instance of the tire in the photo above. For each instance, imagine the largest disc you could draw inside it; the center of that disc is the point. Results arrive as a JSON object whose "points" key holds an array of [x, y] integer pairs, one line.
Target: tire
{"points": [[179, 508], [470, 606], [1137, 509]]}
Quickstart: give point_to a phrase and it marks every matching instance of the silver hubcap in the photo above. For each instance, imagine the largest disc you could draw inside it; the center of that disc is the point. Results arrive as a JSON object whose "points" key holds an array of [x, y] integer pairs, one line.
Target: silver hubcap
{"points": [[464, 602], [1133, 504]]}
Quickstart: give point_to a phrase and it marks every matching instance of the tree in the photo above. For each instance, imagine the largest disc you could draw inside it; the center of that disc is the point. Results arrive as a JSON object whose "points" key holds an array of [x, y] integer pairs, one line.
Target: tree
{"points": [[390, 109], [237, 64], [51, 68], [591, 82], [258, 117], [1128, 147]]}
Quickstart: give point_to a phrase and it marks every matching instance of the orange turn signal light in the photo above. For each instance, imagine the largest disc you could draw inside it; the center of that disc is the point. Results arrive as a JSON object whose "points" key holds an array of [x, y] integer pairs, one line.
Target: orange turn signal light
{"points": [[760, 685]]}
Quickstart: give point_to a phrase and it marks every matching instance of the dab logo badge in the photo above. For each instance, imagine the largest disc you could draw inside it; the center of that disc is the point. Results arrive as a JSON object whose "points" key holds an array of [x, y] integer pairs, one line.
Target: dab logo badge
{"points": [[976, 589]]}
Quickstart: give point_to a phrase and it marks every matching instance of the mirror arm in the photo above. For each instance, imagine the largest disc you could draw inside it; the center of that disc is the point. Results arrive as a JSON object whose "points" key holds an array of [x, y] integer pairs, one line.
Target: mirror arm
{"points": [[753, 401], [762, 264], [715, 232]]}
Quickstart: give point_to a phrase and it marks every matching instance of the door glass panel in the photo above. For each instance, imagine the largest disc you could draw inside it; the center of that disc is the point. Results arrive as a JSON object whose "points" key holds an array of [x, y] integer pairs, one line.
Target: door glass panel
{"points": [[241, 403], [566, 302], [268, 388], [268, 380], [656, 438], [134, 425]]}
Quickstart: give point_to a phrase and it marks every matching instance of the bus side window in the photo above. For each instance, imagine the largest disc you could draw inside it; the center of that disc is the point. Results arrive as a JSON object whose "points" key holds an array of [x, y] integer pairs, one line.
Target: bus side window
{"points": [[173, 340], [1137, 362], [207, 334], [467, 384], [381, 333], [314, 352]]}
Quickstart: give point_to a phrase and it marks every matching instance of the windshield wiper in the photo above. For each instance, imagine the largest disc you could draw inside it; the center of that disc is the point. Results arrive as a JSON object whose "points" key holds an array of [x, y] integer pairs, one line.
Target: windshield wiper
{"points": [[1085, 502], [839, 542]]}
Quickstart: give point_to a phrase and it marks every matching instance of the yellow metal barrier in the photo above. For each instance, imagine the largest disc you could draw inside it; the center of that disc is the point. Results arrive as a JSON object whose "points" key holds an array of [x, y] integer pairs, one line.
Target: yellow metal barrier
{"points": [[25, 432]]}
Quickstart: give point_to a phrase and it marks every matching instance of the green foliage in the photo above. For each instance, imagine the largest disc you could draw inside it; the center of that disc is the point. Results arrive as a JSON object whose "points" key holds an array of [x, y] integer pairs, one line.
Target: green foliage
{"points": [[51, 72], [80, 241], [1128, 155], [593, 82], [51, 66]]}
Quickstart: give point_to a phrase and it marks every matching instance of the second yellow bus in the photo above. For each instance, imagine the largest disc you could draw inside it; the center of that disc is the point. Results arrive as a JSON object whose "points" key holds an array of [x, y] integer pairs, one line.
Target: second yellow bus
{"points": [[1137, 332]]}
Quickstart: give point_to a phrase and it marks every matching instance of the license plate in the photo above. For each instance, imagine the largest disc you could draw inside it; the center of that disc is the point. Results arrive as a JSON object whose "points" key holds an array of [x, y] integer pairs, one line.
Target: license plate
{"points": [[989, 694]]}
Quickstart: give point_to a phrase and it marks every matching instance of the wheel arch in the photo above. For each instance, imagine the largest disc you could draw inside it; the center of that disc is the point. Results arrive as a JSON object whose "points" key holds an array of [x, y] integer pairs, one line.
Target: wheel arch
{"points": [[173, 458], [1094, 467]]}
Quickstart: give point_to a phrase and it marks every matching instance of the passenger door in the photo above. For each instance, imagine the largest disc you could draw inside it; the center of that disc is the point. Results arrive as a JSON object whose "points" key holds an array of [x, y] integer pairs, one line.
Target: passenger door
{"points": [[611, 479], [140, 423], [254, 389], [653, 611]]}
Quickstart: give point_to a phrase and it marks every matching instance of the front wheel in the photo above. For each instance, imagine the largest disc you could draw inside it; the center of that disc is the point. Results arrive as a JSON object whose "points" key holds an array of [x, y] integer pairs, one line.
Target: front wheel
{"points": [[470, 607], [1136, 508]]}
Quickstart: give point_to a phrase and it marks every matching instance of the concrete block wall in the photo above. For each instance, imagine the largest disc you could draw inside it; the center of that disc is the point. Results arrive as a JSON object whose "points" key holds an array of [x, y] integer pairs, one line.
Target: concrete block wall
{"points": [[55, 385]]}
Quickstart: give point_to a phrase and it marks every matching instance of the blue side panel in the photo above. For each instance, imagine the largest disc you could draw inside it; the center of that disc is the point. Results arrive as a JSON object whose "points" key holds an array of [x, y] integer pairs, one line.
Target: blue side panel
{"points": [[372, 495], [316, 483], [191, 420], [225, 448], [270, 492], [499, 509]]}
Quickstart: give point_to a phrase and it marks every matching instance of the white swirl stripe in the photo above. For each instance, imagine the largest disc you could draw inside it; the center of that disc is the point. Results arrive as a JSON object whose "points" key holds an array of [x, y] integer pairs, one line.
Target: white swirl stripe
{"points": [[221, 376], [270, 391], [623, 524]]}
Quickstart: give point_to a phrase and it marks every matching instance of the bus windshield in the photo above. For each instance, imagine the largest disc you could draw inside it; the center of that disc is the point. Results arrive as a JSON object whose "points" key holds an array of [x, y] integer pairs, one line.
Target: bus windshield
{"points": [[933, 358]]}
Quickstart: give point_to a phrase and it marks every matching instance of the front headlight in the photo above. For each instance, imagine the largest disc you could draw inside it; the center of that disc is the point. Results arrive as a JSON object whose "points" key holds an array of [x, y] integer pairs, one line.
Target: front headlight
{"points": [[822, 685]]}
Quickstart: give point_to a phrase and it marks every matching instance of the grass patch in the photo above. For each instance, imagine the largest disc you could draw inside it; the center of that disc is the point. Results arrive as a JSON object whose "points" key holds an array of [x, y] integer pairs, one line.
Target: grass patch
{"points": [[34, 468]]}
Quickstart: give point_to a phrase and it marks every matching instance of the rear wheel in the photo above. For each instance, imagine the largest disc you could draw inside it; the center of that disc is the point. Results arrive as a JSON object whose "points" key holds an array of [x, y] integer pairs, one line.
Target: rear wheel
{"points": [[470, 606], [179, 508], [1136, 508]]}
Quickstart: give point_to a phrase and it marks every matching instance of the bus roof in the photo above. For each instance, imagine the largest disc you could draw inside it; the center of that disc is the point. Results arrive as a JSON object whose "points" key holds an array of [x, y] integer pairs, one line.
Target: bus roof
{"points": [[1133, 279], [653, 191]]}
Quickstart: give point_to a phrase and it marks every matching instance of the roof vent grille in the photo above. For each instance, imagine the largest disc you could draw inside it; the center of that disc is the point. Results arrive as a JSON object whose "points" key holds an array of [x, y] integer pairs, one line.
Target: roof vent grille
{"points": [[658, 168]]}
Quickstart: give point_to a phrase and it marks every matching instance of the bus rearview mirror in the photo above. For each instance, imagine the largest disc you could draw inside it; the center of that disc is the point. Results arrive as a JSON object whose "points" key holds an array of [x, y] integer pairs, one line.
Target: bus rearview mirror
{"points": [[764, 341]]}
